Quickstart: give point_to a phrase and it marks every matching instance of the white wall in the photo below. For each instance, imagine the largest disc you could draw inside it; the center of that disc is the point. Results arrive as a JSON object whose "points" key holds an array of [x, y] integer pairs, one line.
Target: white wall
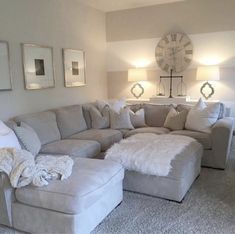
{"points": [[212, 35], [60, 24]]}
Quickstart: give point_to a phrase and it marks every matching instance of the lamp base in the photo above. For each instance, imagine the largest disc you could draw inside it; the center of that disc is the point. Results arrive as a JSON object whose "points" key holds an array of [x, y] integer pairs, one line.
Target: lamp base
{"points": [[134, 90], [204, 86]]}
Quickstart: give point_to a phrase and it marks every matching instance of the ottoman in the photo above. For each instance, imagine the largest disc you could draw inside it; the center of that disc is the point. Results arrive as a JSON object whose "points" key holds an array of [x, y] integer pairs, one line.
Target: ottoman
{"points": [[185, 168], [75, 205]]}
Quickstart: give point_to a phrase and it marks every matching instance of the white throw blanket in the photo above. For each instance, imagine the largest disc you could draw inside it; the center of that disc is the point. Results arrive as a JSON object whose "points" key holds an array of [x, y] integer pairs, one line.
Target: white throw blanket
{"points": [[148, 153], [23, 169]]}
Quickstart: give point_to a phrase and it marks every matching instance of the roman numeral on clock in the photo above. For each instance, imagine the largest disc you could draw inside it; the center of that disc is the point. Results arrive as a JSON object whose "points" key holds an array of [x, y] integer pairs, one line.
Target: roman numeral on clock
{"points": [[187, 60], [187, 44], [188, 51], [173, 37]]}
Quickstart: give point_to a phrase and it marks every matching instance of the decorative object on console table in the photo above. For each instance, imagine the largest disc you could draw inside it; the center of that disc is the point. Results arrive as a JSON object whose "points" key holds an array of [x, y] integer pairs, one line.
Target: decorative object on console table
{"points": [[135, 75], [38, 66], [166, 100], [181, 89], [171, 77], [5, 74], [74, 67], [161, 88], [208, 73]]}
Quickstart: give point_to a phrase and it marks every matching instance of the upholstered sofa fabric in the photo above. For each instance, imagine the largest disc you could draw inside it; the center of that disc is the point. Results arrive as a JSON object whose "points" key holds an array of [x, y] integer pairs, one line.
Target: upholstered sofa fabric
{"points": [[201, 137], [70, 120], [155, 115], [44, 124], [88, 182], [106, 137], [156, 130], [72, 147], [185, 168]]}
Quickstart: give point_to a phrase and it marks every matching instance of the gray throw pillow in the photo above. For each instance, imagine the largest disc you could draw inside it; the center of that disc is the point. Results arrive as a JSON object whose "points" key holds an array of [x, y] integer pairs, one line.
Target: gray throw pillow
{"points": [[121, 119], [99, 119], [28, 138], [138, 118], [175, 120]]}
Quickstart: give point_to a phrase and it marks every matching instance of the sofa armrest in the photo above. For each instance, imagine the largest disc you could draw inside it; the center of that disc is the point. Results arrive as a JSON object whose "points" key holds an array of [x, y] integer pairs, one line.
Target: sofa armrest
{"points": [[7, 196], [221, 136]]}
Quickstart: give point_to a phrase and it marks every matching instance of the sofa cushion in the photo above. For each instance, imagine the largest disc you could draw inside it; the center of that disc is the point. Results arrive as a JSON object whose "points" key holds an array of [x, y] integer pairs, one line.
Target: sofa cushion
{"points": [[28, 138], [222, 112], [86, 113], [176, 120], [121, 119], [156, 130], [70, 120], [138, 118], [72, 147], [86, 185], [99, 119], [106, 137], [155, 115], [44, 124], [201, 137], [202, 117]]}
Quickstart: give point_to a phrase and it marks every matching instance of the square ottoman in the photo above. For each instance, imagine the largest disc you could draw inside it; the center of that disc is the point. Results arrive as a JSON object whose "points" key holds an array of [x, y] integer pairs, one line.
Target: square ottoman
{"points": [[185, 167]]}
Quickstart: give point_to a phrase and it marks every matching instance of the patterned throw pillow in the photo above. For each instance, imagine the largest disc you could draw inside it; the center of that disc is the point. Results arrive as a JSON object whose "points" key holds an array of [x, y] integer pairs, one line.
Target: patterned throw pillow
{"points": [[28, 138], [121, 119], [99, 119], [175, 120]]}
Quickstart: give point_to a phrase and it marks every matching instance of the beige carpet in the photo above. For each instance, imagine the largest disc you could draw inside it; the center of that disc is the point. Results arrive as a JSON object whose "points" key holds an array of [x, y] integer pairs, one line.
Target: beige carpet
{"points": [[209, 207]]}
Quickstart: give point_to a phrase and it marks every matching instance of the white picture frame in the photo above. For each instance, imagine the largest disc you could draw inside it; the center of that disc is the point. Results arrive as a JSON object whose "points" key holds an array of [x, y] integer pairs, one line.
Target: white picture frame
{"points": [[5, 74], [74, 68], [38, 66]]}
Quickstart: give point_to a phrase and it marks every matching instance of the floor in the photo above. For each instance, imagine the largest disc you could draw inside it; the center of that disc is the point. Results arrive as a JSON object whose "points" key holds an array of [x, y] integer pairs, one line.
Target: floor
{"points": [[209, 207]]}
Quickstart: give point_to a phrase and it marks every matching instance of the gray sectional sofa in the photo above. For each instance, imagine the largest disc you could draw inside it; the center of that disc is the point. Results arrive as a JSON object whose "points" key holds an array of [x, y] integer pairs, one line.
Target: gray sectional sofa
{"points": [[67, 130], [78, 204]]}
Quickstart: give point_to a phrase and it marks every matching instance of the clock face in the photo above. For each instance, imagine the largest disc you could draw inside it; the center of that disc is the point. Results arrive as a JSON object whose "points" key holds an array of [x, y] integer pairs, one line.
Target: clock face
{"points": [[174, 51]]}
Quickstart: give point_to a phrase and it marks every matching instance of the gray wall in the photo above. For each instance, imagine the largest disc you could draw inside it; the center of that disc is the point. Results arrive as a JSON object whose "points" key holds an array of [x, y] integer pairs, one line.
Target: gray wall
{"points": [[191, 16], [60, 24], [133, 34]]}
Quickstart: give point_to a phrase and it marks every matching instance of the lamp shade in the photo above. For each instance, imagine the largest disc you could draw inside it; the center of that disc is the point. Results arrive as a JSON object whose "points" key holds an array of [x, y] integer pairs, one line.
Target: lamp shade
{"points": [[137, 74], [208, 73]]}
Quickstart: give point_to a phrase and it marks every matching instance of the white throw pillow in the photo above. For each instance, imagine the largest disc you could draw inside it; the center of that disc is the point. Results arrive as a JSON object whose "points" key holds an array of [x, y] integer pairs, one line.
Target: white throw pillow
{"points": [[138, 118], [175, 120], [121, 119], [202, 117], [8, 138], [99, 119], [114, 104]]}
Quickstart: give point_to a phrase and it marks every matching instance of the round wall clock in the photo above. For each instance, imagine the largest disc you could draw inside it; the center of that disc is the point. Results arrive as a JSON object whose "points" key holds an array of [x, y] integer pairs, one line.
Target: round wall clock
{"points": [[174, 52]]}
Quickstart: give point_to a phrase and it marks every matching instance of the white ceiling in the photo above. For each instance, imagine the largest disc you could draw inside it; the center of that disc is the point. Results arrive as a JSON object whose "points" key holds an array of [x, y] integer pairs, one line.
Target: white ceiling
{"points": [[114, 5]]}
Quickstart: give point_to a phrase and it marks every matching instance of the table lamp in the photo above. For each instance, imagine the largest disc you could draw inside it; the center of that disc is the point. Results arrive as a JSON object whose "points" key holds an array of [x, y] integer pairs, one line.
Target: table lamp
{"points": [[207, 73], [136, 75]]}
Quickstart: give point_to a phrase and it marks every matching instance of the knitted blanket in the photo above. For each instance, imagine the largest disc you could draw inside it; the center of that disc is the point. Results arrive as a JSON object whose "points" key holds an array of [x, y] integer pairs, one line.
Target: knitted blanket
{"points": [[23, 169]]}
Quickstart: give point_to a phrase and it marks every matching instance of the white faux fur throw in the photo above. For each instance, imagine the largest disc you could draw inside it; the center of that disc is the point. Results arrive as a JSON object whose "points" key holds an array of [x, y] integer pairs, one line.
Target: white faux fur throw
{"points": [[23, 169], [148, 153]]}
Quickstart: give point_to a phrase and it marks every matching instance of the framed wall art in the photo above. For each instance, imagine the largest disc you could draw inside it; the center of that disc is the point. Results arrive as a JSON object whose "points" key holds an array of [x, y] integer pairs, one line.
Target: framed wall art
{"points": [[38, 66], [5, 73], [74, 67]]}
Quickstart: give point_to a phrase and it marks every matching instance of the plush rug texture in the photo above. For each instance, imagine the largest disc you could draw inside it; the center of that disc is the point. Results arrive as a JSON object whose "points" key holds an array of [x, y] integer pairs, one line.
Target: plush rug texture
{"points": [[208, 208]]}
